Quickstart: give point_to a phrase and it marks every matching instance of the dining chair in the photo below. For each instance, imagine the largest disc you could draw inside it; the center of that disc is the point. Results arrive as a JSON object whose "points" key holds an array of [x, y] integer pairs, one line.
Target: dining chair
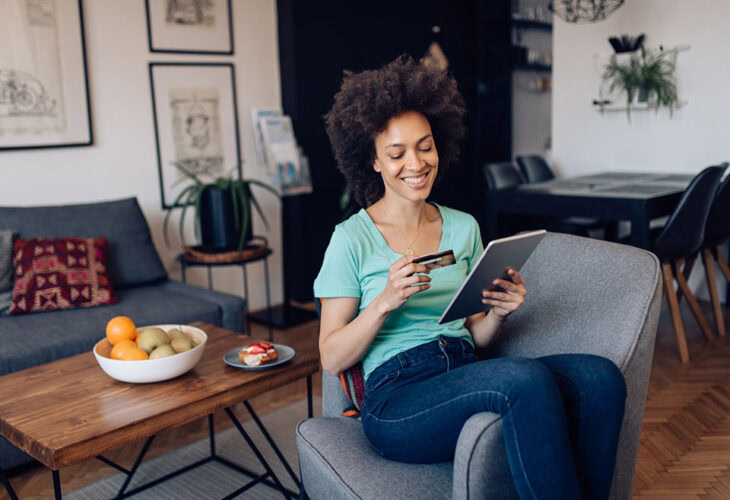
{"points": [[717, 232], [681, 238], [534, 168], [504, 175]]}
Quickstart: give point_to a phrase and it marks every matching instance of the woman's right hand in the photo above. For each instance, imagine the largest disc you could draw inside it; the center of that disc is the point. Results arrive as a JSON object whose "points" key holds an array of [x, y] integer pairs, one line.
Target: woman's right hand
{"points": [[402, 283]]}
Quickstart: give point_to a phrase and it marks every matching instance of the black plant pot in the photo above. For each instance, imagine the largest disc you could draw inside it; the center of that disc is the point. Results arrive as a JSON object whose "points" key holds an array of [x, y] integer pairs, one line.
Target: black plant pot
{"points": [[643, 94], [217, 223]]}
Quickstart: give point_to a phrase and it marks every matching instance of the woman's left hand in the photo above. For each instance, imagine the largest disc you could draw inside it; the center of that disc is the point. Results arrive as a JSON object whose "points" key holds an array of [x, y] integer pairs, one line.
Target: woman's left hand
{"points": [[507, 302]]}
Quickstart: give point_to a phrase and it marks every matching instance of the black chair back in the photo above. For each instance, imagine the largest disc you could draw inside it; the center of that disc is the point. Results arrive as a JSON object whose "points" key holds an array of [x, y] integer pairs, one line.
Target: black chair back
{"points": [[684, 232], [501, 175], [535, 169], [717, 229]]}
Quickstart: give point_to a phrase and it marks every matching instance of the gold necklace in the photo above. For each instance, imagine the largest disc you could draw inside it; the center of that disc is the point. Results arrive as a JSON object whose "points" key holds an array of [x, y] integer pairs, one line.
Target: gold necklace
{"points": [[409, 247]]}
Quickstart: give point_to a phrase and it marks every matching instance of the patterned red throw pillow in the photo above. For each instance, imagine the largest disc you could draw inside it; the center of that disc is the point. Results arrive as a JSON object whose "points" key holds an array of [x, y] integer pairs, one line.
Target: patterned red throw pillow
{"points": [[63, 273]]}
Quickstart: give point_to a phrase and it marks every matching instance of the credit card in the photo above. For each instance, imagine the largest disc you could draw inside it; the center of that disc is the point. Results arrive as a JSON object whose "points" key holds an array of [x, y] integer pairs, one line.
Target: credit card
{"points": [[436, 260]]}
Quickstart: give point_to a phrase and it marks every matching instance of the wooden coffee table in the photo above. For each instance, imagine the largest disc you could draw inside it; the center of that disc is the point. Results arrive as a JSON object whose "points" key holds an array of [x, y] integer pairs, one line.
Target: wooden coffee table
{"points": [[69, 410]]}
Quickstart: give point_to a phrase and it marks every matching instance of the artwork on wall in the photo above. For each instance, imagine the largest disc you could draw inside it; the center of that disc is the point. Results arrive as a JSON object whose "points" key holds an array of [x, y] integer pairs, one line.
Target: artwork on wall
{"points": [[196, 122], [44, 95], [190, 26]]}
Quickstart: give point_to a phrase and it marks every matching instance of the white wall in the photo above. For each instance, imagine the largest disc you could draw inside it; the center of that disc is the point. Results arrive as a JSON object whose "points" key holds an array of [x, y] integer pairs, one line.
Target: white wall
{"points": [[122, 162], [585, 140]]}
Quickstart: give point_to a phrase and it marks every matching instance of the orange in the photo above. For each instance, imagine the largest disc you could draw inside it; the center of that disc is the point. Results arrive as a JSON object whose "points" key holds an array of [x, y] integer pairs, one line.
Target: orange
{"points": [[120, 328], [121, 348], [136, 354]]}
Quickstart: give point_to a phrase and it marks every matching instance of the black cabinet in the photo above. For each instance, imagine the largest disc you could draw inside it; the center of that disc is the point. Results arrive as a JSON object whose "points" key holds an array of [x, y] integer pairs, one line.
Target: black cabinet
{"points": [[319, 39]]}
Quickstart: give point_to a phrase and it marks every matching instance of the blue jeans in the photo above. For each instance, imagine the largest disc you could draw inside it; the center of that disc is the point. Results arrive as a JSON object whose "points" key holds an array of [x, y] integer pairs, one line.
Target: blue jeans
{"points": [[561, 414]]}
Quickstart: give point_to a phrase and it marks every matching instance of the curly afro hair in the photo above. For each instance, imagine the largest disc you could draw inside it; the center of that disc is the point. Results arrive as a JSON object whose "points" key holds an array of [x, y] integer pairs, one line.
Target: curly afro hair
{"points": [[368, 100]]}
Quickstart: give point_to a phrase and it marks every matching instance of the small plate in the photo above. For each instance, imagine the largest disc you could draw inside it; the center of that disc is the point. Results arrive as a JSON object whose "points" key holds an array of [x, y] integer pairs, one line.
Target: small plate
{"points": [[285, 353]]}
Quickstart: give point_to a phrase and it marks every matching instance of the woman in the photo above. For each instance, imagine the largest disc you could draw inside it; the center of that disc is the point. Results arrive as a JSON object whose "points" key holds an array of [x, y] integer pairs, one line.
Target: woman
{"points": [[395, 132]]}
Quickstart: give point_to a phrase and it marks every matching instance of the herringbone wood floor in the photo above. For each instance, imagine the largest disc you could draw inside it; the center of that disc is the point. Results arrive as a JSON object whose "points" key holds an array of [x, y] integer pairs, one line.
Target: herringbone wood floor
{"points": [[685, 442]]}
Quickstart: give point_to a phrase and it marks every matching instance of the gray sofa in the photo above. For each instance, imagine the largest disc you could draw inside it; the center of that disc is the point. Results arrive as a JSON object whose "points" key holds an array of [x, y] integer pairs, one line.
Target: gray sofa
{"points": [[585, 296], [140, 283]]}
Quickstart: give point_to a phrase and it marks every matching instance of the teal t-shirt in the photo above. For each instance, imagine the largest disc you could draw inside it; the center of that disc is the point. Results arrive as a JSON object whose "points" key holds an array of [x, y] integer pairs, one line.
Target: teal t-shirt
{"points": [[356, 264]]}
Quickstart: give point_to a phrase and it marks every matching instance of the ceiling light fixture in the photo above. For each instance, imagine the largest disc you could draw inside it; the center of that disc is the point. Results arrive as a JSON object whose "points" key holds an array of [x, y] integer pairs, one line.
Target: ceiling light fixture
{"points": [[585, 11]]}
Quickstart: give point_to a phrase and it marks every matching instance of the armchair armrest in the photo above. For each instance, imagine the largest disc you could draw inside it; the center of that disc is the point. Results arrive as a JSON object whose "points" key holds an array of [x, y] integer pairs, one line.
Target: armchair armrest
{"points": [[480, 463]]}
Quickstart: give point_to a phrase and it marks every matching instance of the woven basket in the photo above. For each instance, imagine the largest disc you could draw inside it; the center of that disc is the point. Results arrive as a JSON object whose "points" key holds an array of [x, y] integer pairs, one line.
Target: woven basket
{"points": [[257, 247]]}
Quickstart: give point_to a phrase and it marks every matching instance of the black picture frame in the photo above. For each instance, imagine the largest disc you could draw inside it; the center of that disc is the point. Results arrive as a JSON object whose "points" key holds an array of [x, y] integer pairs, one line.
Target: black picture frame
{"points": [[82, 81], [235, 139], [185, 50]]}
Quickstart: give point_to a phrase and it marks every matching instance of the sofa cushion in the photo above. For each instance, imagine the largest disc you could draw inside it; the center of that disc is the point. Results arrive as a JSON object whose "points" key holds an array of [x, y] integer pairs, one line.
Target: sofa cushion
{"points": [[133, 259], [337, 462], [6, 269], [60, 273], [33, 339]]}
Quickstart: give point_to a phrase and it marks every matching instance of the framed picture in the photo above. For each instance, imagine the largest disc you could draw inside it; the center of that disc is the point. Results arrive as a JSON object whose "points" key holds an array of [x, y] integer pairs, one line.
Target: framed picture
{"points": [[44, 93], [196, 122], [190, 26]]}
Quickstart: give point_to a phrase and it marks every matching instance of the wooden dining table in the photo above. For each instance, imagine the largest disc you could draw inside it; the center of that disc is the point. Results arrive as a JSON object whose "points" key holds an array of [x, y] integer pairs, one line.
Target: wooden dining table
{"points": [[638, 197]]}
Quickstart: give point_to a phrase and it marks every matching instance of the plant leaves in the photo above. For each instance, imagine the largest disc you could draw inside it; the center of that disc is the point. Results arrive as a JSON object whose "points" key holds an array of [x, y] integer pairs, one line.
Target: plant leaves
{"points": [[196, 222], [186, 172], [245, 215], [235, 201], [265, 186], [193, 194], [173, 207], [258, 209]]}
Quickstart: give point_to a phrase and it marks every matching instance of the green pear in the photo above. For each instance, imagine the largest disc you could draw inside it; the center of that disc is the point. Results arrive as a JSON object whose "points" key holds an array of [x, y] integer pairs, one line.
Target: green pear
{"points": [[162, 351], [151, 338], [182, 345], [176, 334]]}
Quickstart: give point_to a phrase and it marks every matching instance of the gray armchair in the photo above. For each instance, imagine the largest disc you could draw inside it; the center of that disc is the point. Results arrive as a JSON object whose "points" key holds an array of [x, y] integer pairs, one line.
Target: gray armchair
{"points": [[584, 296]]}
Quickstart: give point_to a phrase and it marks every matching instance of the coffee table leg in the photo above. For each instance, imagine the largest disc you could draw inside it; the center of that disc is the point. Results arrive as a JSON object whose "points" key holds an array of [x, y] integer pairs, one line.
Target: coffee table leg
{"points": [[8, 486], [57, 485], [211, 433], [256, 451], [136, 465], [272, 444]]}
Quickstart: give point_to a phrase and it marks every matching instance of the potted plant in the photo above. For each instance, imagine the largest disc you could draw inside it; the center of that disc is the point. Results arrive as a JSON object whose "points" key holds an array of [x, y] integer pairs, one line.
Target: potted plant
{"points": [[648, 75], [222, 208]]}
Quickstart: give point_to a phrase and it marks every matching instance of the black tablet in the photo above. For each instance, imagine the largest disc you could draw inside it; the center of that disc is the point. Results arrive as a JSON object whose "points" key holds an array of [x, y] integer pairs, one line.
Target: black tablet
{"points": [[497, 257]]}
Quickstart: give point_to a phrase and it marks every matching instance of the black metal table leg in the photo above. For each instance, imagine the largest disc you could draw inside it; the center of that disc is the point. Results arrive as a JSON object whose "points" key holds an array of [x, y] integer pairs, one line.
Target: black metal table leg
{"points": [[268, 298], [136, 465], [310, 414], [252, 445], [210, 278], [182, 270], [640, 229], [211, 434], [272, 444], [57, 485], [8, 487]]}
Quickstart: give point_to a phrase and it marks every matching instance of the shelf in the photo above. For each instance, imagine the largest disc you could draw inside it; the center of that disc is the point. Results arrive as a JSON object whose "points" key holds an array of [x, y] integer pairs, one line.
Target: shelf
{"points": [[533, 67], [636, 106], [528, 24]]}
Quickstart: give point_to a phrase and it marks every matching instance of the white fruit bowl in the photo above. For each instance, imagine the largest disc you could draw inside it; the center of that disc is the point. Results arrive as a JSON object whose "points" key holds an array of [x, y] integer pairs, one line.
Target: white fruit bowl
{"points": [[152, 370]]}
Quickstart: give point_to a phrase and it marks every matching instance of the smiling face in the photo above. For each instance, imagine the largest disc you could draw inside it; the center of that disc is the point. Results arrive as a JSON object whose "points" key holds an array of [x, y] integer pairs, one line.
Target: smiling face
{"points": [[406, 157]]}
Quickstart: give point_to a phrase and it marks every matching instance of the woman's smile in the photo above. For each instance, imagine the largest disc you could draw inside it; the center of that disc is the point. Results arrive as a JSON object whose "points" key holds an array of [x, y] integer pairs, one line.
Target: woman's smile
{"points": [[416, 181]]}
